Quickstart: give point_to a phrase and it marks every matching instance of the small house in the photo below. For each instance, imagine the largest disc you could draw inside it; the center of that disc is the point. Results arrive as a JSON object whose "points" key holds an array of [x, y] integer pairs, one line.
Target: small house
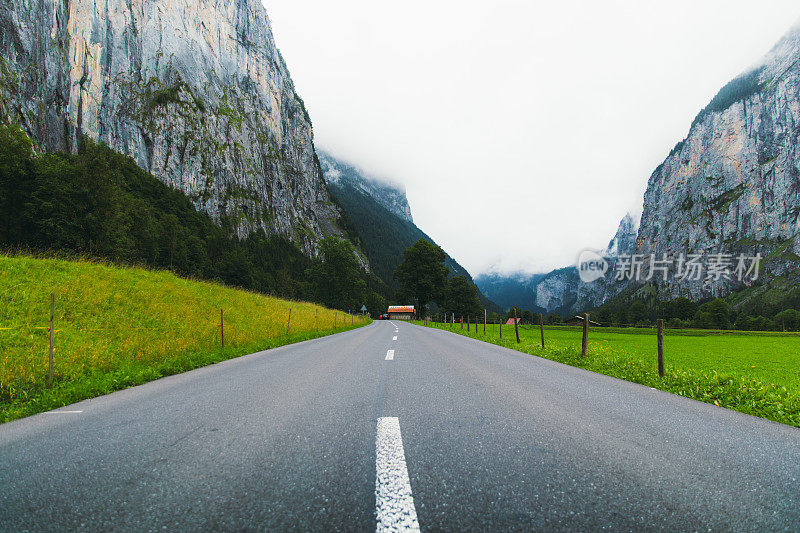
{"points": [[401, 312], [512, 321]]}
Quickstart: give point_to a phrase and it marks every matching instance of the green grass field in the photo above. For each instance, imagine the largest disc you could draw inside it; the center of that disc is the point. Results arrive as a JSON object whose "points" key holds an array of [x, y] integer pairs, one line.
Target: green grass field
{"points": [[117, 327], [752, 372]]}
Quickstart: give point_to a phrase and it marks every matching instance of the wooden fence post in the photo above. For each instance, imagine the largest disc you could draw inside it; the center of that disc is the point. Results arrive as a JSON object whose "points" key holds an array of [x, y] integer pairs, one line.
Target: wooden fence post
{"points": [[316, 319], [501, 328], [289, 321], [52, 332], [484, 321], [467, 323], [334, 320], [585, 340], [516, 326], [222, 327], [541, 326], [661, 347]]}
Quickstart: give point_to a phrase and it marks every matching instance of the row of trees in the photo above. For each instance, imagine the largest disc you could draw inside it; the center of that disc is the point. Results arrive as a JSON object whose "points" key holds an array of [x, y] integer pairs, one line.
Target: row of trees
{"points": [[677, 313], [424, 280], [685, 313]]}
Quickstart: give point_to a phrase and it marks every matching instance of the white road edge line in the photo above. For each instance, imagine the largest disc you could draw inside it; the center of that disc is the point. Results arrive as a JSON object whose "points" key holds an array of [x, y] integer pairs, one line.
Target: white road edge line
{"points": [[394, 503], [61, 412], [390, 355]]}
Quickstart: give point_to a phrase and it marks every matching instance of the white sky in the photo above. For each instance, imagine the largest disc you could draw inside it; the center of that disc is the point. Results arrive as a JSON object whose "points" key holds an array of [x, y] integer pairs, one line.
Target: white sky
{"points": [[522, 130]]}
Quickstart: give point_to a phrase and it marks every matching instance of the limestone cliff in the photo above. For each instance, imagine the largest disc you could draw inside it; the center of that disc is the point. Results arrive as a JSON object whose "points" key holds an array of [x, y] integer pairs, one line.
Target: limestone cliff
{"points": [[733, 185], [194, 90]]}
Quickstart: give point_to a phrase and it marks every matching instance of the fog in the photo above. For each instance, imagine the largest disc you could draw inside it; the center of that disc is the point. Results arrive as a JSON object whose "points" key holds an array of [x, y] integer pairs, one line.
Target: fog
{"points": [[522, 131]]}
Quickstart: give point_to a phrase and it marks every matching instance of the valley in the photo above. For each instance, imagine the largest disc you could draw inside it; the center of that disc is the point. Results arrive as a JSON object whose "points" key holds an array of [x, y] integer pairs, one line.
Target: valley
{"points": [[213, 317]]}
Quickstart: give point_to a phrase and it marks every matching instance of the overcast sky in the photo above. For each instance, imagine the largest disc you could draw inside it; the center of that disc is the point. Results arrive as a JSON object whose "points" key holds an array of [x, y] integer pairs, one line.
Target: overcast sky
{"points": [[522, 130]]}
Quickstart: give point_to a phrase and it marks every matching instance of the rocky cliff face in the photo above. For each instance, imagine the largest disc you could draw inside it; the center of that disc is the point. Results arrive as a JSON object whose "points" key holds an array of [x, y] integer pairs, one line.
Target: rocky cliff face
{"points": [[194, 90], [390, 196], [733, 185], [624, 241]]}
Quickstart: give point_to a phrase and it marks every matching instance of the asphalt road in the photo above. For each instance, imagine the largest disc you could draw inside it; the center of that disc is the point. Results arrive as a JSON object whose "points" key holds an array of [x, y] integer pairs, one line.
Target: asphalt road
{"points": [[462, 436]]}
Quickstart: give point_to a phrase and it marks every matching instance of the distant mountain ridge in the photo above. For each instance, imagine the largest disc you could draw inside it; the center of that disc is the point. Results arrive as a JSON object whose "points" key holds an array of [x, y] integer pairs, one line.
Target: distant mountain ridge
{"points": [[560, 291], [382, 218]]}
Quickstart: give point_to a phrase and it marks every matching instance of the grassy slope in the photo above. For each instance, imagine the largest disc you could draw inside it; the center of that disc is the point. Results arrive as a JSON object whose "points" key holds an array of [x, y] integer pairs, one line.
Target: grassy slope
{"points": [[118, 327], [753, 373]]}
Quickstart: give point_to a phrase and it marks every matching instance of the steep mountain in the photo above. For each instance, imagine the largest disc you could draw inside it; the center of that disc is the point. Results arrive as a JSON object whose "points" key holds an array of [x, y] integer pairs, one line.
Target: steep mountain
{"points": [[381, 215], [561, 291], [624, 240], [389, 195], [733, 184], [728, 191], [195, 91]]}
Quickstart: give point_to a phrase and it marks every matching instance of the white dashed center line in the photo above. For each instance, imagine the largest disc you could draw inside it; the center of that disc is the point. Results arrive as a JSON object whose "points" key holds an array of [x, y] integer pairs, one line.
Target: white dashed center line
{"points": [[390, 355], [394, 503], [394, 338]]}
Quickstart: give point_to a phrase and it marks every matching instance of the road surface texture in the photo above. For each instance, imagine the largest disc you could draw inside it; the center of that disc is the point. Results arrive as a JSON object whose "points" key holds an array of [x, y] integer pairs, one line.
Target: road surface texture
{"points": [[359, 431]]}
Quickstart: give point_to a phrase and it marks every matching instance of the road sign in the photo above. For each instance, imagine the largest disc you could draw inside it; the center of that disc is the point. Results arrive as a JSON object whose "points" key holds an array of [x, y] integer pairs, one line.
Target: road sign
{"points": [[363, 308]]}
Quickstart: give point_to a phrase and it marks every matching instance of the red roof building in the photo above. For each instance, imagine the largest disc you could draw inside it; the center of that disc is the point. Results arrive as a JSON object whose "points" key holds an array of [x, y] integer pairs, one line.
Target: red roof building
{"points": [[401, 312]]}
